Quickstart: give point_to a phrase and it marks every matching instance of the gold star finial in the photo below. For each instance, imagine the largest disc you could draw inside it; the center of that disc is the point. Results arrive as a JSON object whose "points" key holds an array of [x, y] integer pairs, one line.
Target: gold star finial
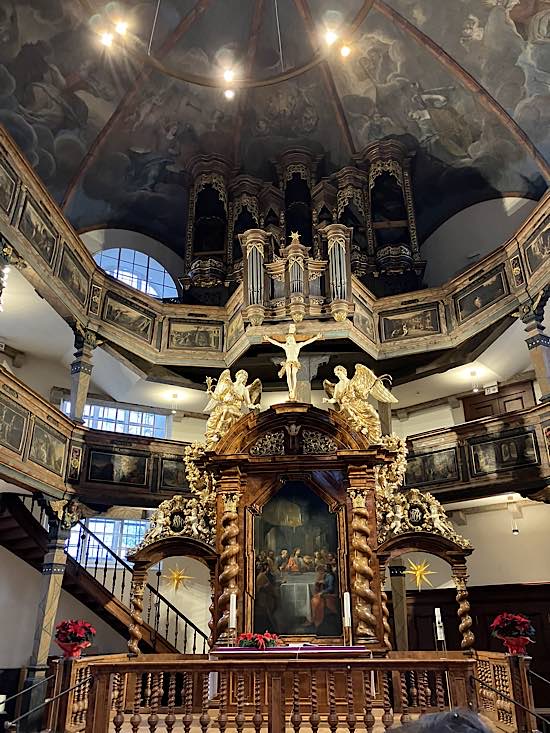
{"points": [[295, 238], [176, 576], [420, 571]]}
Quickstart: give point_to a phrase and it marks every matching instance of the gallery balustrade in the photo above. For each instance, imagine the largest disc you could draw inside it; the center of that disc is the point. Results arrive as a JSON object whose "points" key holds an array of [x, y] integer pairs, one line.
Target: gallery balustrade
{"points": [[37, 239]]}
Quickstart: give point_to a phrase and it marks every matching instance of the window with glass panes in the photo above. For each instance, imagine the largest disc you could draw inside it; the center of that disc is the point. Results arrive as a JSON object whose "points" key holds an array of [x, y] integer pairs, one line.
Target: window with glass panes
{"points": [[137, 270], [119, 535], [122, 420]]}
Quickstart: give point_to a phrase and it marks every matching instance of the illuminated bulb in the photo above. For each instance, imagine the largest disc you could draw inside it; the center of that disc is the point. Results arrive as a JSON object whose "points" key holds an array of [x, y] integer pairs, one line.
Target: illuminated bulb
{"points": [[106, 39], [121, 27], [229, 94], [6, 269], [345, 51], [229, 75], [330, 37]]}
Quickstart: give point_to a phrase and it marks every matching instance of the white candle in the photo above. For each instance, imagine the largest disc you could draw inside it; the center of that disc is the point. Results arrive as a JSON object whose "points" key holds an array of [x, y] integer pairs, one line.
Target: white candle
{"points": [[439, 628], [233, 611], [347, 609]]}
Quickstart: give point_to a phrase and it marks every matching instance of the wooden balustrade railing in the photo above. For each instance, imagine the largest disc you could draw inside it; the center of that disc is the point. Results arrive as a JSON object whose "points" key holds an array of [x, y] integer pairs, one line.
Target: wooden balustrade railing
{"points": [[269, 691]]}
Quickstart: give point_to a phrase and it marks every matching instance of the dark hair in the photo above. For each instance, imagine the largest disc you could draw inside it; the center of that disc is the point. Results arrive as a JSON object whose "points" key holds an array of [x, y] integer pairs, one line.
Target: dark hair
{"points": [[456, 721]]}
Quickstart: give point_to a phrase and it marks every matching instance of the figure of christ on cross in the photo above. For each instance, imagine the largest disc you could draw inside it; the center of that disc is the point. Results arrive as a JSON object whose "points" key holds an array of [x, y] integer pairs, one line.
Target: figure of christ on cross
{"points": [[291, 366]]}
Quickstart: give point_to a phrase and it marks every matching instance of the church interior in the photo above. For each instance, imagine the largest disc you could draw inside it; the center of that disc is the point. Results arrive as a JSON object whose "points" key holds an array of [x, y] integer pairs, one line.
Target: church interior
{"points": [[274, 376]]}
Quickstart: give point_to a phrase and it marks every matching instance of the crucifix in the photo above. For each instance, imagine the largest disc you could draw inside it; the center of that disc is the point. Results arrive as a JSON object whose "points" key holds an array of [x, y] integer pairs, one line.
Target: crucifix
{"points": [[291, 365]]}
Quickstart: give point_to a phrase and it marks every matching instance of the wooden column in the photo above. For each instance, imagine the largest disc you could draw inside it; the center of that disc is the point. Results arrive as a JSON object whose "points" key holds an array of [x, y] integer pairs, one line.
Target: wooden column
{"points": [[229, 495], [538, 344], [522, 693], [53, 569], [399, 605], [81, 370], [139, 581], [366, 624], [460, 578]]}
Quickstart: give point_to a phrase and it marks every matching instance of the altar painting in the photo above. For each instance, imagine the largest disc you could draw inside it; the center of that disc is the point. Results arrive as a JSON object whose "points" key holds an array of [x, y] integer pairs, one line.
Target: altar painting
{"points": [[296, 567]]}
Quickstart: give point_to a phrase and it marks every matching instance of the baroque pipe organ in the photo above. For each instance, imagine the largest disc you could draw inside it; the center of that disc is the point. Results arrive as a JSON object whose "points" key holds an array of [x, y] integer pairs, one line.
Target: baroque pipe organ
{"points": [[301, 235]]}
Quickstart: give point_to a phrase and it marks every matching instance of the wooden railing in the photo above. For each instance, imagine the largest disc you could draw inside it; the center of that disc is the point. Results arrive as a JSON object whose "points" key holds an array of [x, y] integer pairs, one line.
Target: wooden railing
{"points": [[269, 691]]}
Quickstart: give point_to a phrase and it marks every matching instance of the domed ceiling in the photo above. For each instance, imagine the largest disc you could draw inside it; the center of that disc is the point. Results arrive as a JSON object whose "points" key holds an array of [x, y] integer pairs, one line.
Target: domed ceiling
{"points": [[465, 84]]}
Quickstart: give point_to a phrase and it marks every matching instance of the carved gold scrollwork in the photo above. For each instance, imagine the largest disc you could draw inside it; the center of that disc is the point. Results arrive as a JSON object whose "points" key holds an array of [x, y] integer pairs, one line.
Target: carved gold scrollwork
{"points": [[134, 630], [270, 444], [465, 626]]}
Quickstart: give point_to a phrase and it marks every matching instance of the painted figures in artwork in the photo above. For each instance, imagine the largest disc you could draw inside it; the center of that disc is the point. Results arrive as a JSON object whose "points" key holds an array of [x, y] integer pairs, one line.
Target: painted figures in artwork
{"points": [[350, 398], [228, 399], [291, 365], [296, 578]]}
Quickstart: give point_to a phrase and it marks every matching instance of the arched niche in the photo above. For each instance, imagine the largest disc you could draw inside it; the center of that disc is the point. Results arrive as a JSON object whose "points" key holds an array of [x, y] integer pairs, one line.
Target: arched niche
{"points": [[445, 549], [164, 539]]}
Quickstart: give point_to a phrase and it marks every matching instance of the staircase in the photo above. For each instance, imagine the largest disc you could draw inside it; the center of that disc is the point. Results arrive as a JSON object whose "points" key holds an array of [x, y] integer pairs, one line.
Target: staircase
{"points": [[98, 578]]}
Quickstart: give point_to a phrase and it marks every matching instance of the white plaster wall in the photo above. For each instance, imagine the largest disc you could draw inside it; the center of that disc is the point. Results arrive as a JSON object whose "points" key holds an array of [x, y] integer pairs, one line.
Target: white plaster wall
{"points": [[442, 416], [499, 557], [19, 597], [471, 234]]}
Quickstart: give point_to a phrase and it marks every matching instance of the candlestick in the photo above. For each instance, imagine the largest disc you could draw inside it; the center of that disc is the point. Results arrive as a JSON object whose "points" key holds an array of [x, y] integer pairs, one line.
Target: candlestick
{"points": [[233, 611]]}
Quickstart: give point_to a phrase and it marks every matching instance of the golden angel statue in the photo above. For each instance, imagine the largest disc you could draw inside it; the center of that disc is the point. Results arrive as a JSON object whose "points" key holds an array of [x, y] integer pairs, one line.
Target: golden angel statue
{"points": [[228, 401], [291, 365], [350, 398]]}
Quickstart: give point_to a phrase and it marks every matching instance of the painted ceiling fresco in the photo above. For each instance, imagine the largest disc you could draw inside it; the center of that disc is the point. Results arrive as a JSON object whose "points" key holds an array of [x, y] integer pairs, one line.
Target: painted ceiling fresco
{"points": [[112, 138]]}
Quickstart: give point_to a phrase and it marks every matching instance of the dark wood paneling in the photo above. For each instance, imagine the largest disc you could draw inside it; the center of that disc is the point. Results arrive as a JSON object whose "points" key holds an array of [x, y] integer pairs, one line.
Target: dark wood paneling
{"points": [[509, 398], [486, 602]]}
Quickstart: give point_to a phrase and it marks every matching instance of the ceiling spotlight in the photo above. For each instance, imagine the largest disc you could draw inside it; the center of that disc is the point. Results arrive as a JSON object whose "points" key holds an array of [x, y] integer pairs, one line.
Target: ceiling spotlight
{"points": [[229, 94], [121, 27], [330, 37], [515, 528], [106, 39], [229, 75], [345, 51]]}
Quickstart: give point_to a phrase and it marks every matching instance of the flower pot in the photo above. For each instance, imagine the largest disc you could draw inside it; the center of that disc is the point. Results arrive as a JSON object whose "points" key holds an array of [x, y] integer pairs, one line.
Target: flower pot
{"points": [[515, 645], [72, 649]]}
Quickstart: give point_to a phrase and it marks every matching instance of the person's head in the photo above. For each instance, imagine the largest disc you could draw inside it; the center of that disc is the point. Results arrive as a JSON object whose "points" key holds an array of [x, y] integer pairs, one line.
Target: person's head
{"points": [[284, 552], [455, 721], [477, 302], [241, 376], [271, 553], [340, 372], [297, 551]]}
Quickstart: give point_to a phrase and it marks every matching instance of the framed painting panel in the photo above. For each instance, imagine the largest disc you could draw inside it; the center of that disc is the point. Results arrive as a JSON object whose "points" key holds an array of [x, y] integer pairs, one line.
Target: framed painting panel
{"points": [[296, 566], [8, 186], [476, 298], [73, 274], [124, 314], [106, 467], [48, 448], [503, 452], [364, 321], [185, 335], [14, 421], [402, 325], [234, 330], [38, 229], [537, 252], [172, 475], [433, 468]]}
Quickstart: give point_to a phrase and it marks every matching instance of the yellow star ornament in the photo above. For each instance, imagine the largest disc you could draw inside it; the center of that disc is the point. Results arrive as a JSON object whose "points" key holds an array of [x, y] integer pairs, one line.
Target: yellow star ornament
{"points": [[420, 571], [176, 576]]}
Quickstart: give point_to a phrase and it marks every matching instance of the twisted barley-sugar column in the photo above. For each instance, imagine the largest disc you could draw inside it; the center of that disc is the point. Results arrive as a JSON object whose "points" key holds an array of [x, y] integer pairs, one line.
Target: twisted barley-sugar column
{"points": [[363, 576], [228, 560], [134, 629], [460, 577], [385, 613]]}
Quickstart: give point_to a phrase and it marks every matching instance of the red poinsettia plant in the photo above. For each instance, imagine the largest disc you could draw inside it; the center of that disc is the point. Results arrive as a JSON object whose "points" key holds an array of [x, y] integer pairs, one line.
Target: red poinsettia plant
{"points": [[74, 631], [258, 641], [515, 631]]}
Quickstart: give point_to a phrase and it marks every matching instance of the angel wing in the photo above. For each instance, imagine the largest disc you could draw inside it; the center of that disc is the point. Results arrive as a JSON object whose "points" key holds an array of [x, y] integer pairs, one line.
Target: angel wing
{"points": [[255, 392], [329, 388], [224, 377], [365, 382]]}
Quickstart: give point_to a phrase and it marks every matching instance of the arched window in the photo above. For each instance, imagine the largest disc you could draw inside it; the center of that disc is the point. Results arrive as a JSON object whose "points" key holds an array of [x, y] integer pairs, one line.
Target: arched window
{"points": [[137, 270]]}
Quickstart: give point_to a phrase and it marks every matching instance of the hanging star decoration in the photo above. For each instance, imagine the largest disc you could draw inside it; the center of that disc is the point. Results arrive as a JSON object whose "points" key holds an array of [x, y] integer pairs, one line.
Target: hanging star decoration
{"points": [[176, 576], [420, 572]]}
